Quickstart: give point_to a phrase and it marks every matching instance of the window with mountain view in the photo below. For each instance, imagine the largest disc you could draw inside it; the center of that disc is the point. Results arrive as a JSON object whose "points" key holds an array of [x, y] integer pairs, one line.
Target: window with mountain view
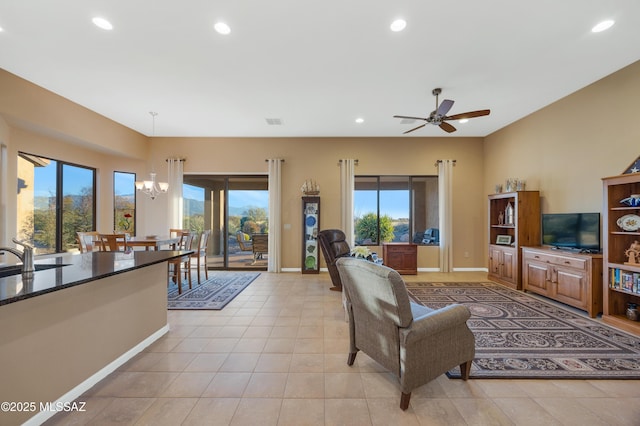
{"points": [[124, 202], [394, 208], [55, 200]]}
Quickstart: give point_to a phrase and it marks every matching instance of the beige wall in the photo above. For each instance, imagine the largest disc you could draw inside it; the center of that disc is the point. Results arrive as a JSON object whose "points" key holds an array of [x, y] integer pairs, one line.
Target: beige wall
{"points": [[565, 149], [562, 150], [317, 159]]}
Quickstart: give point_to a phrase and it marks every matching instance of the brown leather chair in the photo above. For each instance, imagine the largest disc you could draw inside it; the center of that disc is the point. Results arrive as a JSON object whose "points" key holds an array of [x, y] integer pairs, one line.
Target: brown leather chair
{"points": [[334, 246]]}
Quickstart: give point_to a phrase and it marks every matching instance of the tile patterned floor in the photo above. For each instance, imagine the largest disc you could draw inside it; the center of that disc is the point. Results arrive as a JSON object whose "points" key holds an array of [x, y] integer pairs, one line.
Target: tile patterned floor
{"points": [[276, 355]]}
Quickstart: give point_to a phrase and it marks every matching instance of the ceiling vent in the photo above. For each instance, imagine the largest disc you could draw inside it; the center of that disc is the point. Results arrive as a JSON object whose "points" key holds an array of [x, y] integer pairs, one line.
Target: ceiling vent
{"points": [[274, 121]]}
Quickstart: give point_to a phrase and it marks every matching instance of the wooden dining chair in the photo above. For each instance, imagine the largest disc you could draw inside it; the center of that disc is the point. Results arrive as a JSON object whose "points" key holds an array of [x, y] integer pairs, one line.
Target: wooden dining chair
{"points": [[179, 233], [87, 241], [112, 242], [200, 252], [176, 265]]}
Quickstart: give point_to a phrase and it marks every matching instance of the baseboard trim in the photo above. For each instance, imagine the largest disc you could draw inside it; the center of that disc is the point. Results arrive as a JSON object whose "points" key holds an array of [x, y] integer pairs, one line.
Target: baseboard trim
{"points": [[419, 270], [75, 393]]}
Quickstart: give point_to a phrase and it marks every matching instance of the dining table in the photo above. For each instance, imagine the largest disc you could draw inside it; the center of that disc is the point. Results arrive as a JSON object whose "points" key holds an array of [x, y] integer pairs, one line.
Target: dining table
{"points": [[154, 242]]}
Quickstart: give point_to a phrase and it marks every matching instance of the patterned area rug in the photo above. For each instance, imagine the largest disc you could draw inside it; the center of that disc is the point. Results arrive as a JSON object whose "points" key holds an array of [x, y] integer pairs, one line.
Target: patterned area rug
{"points": [[520, 336], [214, 293]]}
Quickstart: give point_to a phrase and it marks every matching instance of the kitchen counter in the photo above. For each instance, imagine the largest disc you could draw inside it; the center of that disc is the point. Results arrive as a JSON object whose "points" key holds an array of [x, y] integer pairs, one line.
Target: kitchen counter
{"points": [[69, 327], [76, 269]]}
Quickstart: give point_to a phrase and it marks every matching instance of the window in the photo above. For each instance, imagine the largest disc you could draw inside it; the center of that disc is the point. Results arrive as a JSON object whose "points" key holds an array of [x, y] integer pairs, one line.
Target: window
{"points": [[193, 208], [395, 209], [124, 202], [55, 200]]}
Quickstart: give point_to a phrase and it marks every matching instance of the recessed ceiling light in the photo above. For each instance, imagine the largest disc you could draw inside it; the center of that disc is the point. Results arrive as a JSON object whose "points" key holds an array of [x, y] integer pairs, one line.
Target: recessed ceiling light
{"points": [[398, 25], [602, 26], [359, 120], [222, 28], [464, 120], [102, 23]]}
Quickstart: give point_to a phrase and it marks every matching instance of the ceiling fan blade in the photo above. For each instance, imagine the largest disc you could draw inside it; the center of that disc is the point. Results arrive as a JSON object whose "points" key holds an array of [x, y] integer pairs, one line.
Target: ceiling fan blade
{"points": [[447, 127], [470, 114], [444, 107], [409, 118], [415, 128]]}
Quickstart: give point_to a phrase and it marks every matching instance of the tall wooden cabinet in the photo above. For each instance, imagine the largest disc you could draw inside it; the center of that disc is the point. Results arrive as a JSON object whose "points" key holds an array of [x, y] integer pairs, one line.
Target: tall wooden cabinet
{"points": [[621, 279], [514, 221]]}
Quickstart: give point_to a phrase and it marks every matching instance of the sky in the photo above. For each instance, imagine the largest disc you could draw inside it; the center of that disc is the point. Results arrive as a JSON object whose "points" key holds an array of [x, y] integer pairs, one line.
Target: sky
{"points": [[393, 203]]}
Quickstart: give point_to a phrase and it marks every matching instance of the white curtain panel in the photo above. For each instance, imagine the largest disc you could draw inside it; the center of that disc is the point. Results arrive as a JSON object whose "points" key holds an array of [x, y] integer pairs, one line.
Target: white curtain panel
{"points": [[275, 214], [176, 175], [347, 184], [445, 194]]}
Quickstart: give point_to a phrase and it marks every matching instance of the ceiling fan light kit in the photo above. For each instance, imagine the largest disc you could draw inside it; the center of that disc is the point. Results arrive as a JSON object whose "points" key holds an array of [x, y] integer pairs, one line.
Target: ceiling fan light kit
{"points": [[439, 117]]}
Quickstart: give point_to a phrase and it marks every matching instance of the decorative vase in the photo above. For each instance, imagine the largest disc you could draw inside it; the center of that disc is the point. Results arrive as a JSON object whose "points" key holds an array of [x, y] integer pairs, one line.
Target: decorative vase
{"points": [[508, 214]]}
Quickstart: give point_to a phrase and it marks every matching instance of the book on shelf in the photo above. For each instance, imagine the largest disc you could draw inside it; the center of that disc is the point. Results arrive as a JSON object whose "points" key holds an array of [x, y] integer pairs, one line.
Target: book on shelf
{"points": [[626, 281], [614, 281]]}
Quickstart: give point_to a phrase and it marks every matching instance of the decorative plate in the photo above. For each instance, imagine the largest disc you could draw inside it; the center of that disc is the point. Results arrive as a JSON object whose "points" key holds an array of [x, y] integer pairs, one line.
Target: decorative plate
{"points": [[311, 220], [629, 222], [632, 201]]}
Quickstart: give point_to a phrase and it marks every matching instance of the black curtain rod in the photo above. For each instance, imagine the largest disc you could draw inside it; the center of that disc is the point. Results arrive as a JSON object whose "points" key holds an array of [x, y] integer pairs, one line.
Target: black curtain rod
{"points": [[281, 160], [355, 161], [440, 161]]}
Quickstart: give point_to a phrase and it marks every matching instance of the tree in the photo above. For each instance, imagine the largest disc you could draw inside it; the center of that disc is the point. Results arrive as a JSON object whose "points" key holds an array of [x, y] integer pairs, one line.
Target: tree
{"points": [[367, 228]]}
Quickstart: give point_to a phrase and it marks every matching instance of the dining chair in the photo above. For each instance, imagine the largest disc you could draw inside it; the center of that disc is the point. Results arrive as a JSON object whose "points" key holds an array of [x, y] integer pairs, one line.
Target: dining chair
{"points": [[87, 241], [200, 252], [176, 265], [178, 233], [112, 242]]}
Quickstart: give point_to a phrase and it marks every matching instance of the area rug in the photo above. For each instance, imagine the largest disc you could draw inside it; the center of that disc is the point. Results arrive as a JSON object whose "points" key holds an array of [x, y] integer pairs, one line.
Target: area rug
{"points": [[521, 336], [214, 293]]}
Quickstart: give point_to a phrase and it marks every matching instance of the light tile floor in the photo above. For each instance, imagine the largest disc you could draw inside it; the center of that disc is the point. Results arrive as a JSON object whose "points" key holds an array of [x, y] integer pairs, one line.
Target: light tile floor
{"points": [[276, 355]]}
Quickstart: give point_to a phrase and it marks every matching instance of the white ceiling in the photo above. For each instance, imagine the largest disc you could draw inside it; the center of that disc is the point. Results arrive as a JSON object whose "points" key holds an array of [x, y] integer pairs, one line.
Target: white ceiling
{"points": [[316, 65]]}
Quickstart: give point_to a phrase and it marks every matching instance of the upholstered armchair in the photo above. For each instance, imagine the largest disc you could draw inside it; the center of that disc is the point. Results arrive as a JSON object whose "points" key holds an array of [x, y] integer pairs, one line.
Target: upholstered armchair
{"points": [[416, 343], [333, 243]]}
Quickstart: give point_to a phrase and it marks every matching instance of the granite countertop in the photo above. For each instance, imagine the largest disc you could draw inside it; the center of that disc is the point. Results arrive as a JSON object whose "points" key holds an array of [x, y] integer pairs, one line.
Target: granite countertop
{"points": [[78, 269]]}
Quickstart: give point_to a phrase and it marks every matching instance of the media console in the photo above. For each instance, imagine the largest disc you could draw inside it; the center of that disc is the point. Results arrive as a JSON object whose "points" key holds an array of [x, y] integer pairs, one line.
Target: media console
{"points": [[566, 276]]}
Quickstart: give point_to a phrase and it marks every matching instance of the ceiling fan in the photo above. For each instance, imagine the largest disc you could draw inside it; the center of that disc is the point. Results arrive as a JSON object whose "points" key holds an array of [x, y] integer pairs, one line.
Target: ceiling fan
{"points": [[439, 117]]}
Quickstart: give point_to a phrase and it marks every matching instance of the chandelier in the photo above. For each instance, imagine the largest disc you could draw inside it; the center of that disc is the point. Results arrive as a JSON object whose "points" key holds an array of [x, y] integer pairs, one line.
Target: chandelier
{"points": [[151, 187]]}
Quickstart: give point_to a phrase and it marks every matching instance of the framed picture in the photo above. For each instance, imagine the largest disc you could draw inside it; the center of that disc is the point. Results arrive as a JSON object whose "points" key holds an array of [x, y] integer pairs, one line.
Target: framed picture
{"points": [[503, 239]]}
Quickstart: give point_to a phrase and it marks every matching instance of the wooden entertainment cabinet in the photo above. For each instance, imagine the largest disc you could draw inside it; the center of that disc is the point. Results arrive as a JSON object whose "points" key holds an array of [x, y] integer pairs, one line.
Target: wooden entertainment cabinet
{"points": [[565, 276]]}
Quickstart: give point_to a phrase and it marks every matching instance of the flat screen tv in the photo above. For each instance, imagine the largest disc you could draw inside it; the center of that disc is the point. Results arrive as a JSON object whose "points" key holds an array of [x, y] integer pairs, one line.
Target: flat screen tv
{"points": [[578, 231]]}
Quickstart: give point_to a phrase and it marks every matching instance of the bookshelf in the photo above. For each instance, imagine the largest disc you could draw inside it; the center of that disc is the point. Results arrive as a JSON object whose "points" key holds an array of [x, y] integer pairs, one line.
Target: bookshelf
{"points": [[621, 278]]}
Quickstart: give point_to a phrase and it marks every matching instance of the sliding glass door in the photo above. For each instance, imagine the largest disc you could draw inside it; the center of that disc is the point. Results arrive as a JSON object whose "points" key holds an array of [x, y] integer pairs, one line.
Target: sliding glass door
{"points": [[235, 208]]}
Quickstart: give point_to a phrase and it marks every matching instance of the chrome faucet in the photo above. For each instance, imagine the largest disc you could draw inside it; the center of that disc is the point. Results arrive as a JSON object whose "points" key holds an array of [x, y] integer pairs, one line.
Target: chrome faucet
{"points": [[26, 256]]}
